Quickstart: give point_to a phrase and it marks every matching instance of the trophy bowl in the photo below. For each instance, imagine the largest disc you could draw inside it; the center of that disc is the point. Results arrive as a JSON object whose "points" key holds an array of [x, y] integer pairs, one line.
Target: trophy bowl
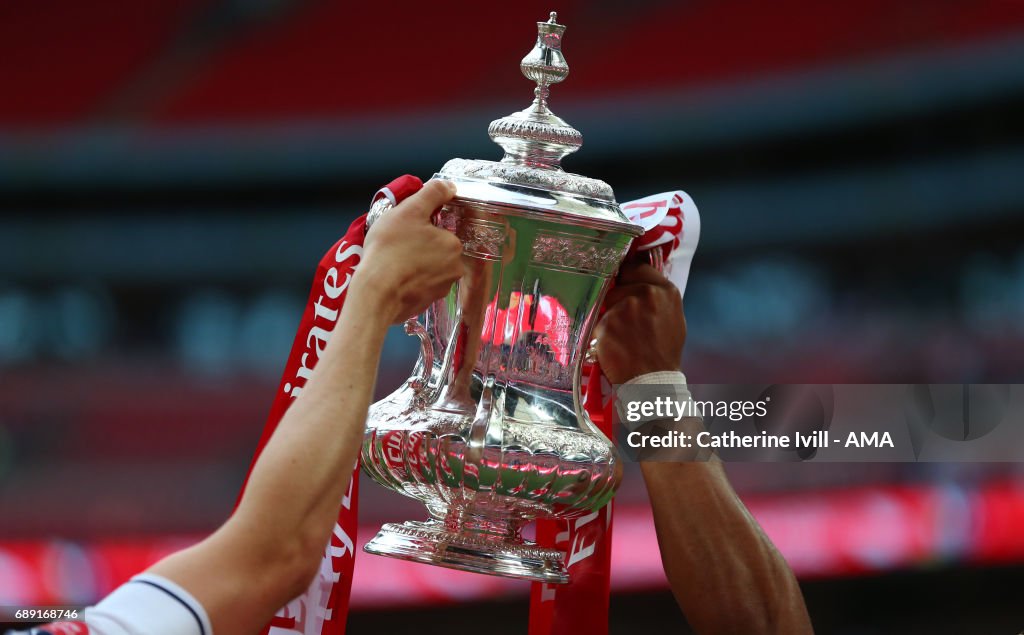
{"points": [[489, 432]]}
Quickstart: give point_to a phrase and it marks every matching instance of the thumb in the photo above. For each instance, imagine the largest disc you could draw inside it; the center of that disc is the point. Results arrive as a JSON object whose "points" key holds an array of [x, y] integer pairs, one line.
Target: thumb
{"points": [[401, 188], [432, 196]]}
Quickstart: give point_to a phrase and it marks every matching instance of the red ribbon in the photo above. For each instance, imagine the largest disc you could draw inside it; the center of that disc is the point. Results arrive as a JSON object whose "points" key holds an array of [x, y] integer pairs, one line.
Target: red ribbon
{"points": [[581, 606]]}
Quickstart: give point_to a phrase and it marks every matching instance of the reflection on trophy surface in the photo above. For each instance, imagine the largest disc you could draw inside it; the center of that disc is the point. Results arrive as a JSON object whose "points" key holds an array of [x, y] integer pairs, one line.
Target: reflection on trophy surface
{"points": [[490, 433]]}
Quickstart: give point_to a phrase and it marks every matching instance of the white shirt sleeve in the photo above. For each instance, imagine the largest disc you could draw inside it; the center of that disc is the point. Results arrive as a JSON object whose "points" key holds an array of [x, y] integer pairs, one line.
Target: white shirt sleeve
{"points": [[148, 605]]}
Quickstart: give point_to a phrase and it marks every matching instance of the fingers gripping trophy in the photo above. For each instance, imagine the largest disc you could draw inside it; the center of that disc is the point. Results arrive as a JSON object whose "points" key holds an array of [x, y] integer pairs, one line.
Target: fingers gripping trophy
{"points": [[490, 432]]}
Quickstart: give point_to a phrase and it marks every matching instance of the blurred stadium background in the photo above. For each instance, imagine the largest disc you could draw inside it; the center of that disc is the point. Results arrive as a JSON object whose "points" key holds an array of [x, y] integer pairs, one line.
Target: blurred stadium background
{"points": [[171, 171]]}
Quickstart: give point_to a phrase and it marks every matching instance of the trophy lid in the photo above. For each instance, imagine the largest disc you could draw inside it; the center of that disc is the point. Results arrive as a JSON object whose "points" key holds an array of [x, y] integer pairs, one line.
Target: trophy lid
{"points": [[535, 140]]}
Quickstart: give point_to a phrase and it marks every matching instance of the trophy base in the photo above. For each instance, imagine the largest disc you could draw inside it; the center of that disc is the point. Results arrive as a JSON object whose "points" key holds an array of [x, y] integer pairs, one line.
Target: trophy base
{"points": [[430, 542]]}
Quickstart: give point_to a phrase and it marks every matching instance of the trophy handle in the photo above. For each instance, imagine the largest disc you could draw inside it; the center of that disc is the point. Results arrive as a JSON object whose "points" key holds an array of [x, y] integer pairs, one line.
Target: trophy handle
{"points": [[418, 382], [657, 258]]}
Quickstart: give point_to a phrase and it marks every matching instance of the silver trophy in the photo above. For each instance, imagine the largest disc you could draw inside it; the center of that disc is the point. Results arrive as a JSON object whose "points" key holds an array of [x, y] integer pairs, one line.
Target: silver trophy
{"points": [[490, 432]]}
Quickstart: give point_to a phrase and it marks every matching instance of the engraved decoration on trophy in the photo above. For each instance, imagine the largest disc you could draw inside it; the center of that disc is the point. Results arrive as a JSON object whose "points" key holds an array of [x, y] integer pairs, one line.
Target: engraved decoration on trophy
{"points": [[489, 433]]}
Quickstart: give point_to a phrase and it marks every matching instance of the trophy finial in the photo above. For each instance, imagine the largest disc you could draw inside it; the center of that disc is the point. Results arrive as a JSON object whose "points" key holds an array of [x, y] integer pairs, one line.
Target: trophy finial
{"points": [[545, 64], [536, 137]]}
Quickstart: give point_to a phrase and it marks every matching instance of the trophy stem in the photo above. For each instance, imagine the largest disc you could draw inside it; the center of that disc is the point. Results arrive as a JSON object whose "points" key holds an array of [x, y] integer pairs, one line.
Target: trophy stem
{"points": [[479, 545], [503, 529]]}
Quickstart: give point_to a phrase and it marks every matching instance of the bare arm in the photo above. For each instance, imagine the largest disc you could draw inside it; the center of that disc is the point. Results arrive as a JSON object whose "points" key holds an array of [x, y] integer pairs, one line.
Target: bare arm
{"points": [[724, 571], [264, 555], [268, 551]]}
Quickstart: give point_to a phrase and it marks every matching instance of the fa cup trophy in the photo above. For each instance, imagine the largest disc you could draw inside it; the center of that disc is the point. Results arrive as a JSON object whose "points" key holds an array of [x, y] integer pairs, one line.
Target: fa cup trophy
{"points": [[490, 432]]}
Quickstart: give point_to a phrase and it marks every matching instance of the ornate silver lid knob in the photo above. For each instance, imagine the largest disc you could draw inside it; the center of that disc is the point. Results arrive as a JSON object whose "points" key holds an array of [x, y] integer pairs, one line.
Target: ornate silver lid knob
{"points": [[536, 137], [545, 64]]}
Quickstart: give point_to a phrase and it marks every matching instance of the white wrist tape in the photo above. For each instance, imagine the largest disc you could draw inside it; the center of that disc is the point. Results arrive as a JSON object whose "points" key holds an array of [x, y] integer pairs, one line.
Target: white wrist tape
{"points": [[674, 387]]}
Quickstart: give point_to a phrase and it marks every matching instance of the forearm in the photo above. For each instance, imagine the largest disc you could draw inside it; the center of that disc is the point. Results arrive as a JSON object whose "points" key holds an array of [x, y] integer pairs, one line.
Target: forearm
{"points": [[266, 552], [297, 484], [724, 571]]}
